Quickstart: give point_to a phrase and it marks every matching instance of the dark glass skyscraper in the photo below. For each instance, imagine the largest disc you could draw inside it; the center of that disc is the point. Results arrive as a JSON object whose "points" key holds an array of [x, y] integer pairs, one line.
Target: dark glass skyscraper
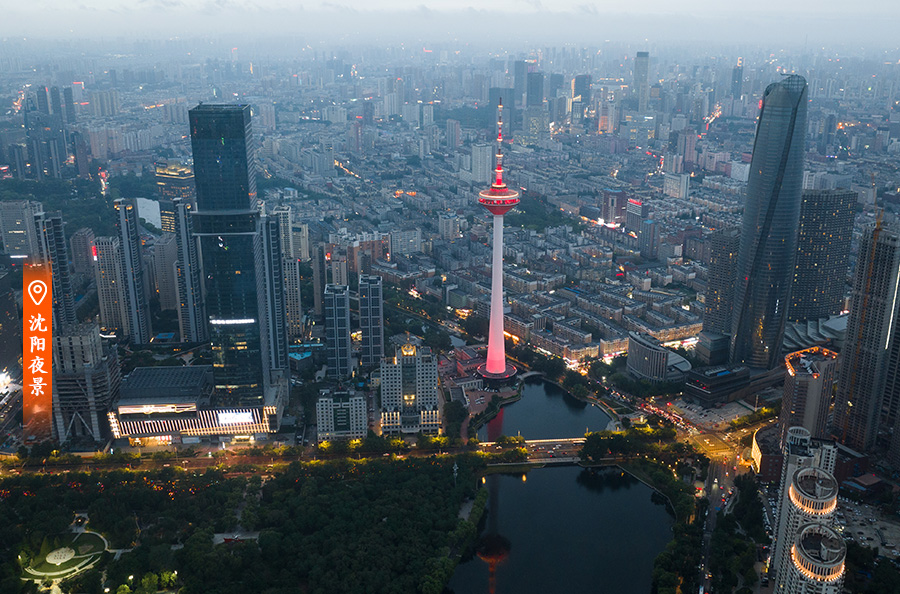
{"points": [[823, 253], [227, 225], [768, 249]]}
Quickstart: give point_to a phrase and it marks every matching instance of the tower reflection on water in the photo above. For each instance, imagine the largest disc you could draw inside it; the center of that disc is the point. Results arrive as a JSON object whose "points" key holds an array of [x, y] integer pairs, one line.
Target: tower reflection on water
{"points": [[493, 548]]}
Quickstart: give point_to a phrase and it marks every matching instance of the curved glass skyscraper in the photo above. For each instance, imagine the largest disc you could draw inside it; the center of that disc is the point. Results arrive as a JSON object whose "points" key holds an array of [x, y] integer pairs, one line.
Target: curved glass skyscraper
{"points": [[768, 248]]}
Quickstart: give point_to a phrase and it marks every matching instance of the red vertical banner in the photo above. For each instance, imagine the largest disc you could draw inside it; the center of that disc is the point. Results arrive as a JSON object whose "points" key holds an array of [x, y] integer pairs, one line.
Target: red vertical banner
{"points": [[37, 354]]}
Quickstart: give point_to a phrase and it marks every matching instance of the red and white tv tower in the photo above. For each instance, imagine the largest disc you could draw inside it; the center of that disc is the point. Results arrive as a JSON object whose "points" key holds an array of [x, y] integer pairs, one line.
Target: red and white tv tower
{"points": [[499, 200]]}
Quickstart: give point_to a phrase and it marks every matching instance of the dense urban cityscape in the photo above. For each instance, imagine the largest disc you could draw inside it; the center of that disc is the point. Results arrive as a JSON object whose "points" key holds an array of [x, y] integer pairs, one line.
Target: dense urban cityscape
{"points": [[448, 318]]}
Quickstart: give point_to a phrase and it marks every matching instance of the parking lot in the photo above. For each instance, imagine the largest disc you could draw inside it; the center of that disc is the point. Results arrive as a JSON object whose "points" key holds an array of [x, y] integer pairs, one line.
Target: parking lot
{"points": [[857, 522], [864, 525]]}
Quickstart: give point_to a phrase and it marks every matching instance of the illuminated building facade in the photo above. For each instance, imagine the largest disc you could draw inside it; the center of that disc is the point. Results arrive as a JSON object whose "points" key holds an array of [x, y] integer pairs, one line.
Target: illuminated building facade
{"points": [[808, 497], [341, 414], [409, 392], [498, 200], [17, 223], [768, 250], [174, 180], [807, 391]]}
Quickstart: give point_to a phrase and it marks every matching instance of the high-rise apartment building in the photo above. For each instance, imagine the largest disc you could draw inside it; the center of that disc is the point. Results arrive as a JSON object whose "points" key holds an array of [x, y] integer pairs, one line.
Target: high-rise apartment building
{"points": [[642, 80], [54, 250], [82, 244], [108, 277], [768, 250], [808, 555], [276, 329], [192, 323], [371, 319], [320, 276], [86, 380], [134, 291], [482, 163], [808, 386], [293, 304], [870, 343], [823, 254], [723, 252], [409, 392], [165, 256], [336, 300], [300, 231]]}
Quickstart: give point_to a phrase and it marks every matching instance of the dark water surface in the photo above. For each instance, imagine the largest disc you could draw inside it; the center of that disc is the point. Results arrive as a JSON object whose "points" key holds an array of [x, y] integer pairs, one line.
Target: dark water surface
{"points": [[545, 411], [567, 530]]}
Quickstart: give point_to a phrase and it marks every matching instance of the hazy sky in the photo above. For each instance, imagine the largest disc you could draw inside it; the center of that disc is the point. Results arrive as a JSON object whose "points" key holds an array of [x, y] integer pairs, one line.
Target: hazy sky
{"points": [[791, 22]]}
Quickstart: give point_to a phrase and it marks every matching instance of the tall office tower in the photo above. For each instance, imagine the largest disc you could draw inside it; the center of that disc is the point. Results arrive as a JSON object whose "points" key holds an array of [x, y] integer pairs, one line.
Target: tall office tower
{"points": [[371, 319], [165, 257], [723, 252], [191, 315], [56, 101], [108, 277], [337, 330], [293, 305], [231, 247], [409, 392], [809, 555], [21, 238], [42, 96], [768, 251], [482, 163], [82, 244], [871, 342], [534, 89], [807, 391], [823, 254], [320, 276], [69, 105], [737, 79], [581, 89], [55, 251], [498, 200], [300, 232], [642, 80], [86, 380], [134, 291], [275, 330], [520, 75], [174, 180]]}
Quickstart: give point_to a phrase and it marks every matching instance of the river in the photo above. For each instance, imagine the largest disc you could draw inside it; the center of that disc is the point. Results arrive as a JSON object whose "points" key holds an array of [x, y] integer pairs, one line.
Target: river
{"points": [[563, 529]]}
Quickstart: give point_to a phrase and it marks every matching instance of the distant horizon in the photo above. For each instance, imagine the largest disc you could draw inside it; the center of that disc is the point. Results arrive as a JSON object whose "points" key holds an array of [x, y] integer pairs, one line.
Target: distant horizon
{"points": [[829, 24]]}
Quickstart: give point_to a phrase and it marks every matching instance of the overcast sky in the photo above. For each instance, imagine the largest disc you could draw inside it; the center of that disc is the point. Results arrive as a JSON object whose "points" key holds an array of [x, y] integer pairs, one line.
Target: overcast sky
{"points": [[788, 22]]}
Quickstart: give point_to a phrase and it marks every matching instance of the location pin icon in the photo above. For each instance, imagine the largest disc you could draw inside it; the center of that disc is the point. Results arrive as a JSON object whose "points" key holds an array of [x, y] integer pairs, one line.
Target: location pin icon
{"points": [[37, 290]]}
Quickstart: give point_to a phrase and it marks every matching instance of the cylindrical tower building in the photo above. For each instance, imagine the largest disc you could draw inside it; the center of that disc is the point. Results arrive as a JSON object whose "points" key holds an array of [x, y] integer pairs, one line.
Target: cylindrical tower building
{"points": [[498, 199], [817, 562]]}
